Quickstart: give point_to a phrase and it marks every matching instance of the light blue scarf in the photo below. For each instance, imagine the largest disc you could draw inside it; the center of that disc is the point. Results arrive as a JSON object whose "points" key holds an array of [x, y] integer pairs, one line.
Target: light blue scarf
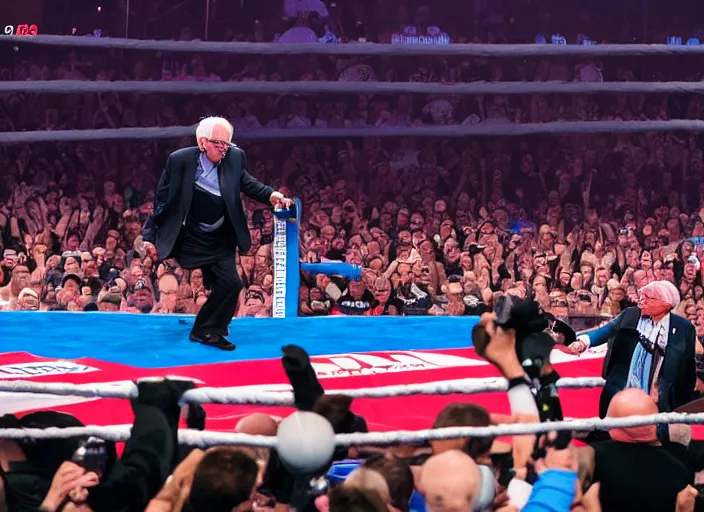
{"points": [[639, 372], [641, 364]]}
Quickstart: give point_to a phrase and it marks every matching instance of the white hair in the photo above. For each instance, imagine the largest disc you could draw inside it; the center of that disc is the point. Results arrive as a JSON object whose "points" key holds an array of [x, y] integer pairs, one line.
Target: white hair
{"points": [[665, 291], [207, 125]]}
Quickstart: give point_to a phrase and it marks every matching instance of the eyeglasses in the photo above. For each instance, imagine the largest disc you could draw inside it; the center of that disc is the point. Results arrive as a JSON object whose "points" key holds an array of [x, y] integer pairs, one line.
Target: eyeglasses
{"points": [[219, 143]]}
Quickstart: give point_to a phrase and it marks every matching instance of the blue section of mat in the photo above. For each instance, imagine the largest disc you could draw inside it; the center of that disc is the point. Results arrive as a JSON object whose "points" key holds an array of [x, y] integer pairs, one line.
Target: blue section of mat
{"points": [[161, 341]]}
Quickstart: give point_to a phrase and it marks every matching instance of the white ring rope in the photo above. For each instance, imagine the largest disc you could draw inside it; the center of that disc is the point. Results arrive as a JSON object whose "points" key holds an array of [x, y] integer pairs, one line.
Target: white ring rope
{"points": [[205, 439], [464, 50], [331, 87], [445, 131], [237, 396]]}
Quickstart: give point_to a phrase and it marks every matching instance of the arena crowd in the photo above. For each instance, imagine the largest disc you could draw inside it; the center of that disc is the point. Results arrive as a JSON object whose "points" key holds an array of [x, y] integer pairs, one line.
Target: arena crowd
{"points": [[440, 227]]}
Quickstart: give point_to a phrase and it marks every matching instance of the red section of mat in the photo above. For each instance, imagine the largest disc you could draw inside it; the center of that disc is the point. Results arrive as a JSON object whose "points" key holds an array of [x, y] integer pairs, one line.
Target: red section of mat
{"points": [[344, 371], [338, 372]]}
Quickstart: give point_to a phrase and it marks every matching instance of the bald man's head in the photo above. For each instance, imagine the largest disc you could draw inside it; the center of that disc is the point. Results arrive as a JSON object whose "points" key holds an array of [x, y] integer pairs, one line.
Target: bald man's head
{"points": [[257, 424], [450, 482], [633, 402]]}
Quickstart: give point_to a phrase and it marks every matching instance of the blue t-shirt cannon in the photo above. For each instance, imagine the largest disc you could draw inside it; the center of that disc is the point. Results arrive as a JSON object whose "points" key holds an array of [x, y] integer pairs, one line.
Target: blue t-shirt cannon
{"points": [[287, 264]]}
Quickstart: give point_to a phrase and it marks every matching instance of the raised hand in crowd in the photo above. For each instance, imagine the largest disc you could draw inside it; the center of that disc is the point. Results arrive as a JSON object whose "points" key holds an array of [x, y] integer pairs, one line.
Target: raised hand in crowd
{"points": [[500, 347], [71, 481]]}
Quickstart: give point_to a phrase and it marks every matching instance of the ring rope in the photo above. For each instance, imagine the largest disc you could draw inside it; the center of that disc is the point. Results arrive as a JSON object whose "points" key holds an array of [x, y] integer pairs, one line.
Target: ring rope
{"points": [[486, 129], [464, 50], [344, 87], [237, 396], [205, 439]]}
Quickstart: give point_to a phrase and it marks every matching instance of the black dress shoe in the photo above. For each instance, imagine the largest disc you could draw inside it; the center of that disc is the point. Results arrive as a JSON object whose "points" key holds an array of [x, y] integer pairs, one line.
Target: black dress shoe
{"points": [[213, 340]]}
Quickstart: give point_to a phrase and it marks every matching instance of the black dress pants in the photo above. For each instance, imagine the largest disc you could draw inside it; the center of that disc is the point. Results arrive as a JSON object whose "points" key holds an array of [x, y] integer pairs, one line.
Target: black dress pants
{"points": [[214, 254], [225, 286]]}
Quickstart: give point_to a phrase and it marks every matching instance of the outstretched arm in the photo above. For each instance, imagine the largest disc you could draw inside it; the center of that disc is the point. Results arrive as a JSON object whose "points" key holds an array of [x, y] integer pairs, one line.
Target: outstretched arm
{"points": [[596, 337]]}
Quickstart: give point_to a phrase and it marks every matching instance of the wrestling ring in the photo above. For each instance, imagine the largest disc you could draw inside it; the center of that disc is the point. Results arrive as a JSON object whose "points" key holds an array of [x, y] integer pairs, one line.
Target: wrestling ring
{"points": [[417, 365]]}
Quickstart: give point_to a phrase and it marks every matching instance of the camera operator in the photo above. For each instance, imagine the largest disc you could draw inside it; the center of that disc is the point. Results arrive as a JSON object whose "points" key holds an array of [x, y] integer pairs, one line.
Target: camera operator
{"points": [[497, 337], [96, 480], [151, 452], [27, 466]]}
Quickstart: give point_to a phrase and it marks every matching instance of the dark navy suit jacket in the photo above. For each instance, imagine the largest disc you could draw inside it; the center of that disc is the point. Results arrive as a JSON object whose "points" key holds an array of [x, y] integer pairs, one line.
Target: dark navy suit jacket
{"points": [[678, 374], [175, 192]]}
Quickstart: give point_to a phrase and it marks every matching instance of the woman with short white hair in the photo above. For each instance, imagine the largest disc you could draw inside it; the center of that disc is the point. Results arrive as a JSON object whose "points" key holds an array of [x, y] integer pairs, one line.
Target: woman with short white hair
{"points": [[639, 340]]}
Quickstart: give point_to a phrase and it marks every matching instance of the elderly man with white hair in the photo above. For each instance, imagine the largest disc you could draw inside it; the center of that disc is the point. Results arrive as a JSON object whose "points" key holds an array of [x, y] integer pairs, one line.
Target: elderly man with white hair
{"points": [[649, 348], [199, 220]]}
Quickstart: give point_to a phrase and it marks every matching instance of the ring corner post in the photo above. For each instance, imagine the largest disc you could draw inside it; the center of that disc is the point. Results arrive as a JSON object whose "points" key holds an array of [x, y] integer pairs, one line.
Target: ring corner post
{"points": [[286, 261]]}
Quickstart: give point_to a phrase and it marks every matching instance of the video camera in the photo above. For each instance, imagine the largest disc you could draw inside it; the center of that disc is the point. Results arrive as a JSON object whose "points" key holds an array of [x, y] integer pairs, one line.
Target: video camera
{"points": [[92, 455], [533, 343], [533, 346]]}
